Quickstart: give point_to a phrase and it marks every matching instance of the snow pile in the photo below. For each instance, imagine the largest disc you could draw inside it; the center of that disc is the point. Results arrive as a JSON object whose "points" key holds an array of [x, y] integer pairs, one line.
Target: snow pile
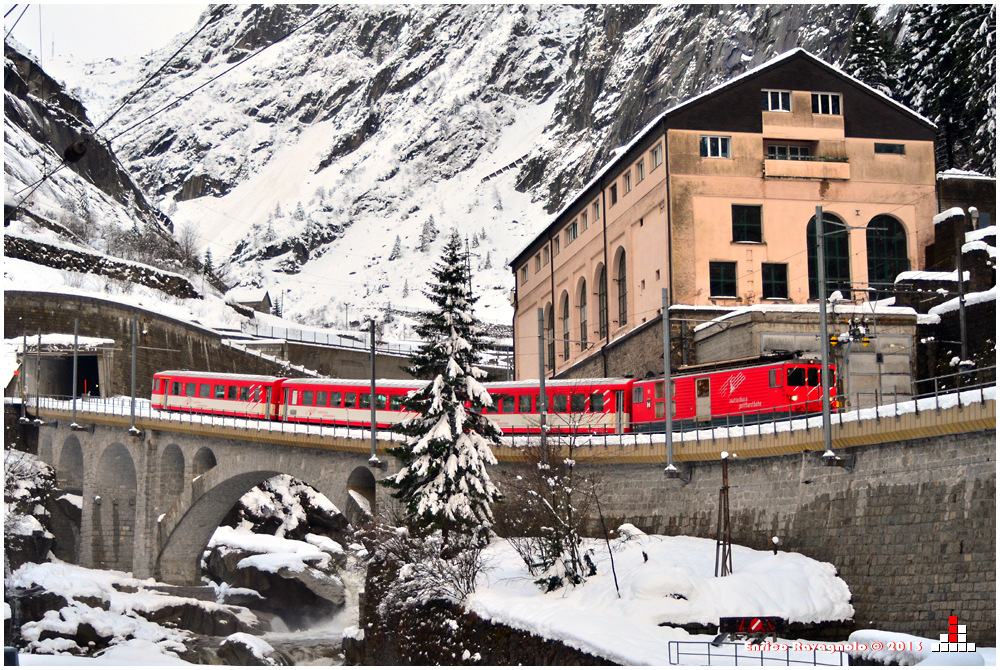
{"points": [[27, 480], [260, 649], [272, 554], [662, 581], [123, 618], [989, 295]]}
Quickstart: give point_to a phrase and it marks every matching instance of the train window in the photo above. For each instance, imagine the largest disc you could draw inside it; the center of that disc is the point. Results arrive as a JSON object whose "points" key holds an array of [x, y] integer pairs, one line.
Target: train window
{"points": [[232, 393], [597, 402], [658, 390], [559, 403], [395, 402], [321, 398], [255, 393], [294, 397], [220, 392], [774, 378], [335, 399], [703, 387], [796, 376], [244, 393], [636, 393], [177, 388], [524, 404], [205, 391], [190, 389], [506, 404], [267, 395], [658, 410], [155, 383], [366, 401], [350, 400], [308, 398], [380, 400], [813, 379], [577, 402]]}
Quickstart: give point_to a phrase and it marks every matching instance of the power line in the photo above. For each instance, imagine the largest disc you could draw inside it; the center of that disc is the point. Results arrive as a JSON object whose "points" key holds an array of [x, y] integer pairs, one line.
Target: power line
{"points": [[15, 22]]}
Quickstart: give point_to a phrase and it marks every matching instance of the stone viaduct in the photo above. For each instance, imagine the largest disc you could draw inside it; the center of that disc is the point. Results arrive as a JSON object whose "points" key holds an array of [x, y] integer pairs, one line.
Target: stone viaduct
{"points": [[911, 527]]}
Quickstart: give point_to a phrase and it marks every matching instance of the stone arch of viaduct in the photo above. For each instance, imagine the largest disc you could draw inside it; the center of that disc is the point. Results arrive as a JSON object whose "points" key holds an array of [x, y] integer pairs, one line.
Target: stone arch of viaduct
{"points": [[151, 503]]}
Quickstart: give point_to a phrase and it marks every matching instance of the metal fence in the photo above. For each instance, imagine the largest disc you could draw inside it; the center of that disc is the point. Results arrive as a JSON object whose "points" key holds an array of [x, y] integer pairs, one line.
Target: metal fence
{"points": [[739, 654]]}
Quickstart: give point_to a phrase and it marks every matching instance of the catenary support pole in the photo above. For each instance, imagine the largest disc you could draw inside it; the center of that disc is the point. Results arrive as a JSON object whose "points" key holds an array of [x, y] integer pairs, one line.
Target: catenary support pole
{"points": [[135, 346], [76, 347], [668, 428], [542, 403], [374, 427], [824, 334]]}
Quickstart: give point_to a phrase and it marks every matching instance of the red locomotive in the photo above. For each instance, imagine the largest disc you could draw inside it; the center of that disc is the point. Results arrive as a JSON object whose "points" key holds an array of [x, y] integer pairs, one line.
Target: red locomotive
{"points": [[574, 406]]}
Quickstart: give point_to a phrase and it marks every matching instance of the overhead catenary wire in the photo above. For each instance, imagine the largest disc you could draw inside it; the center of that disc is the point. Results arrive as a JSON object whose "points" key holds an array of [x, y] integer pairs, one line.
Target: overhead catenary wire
{"points": [[15, 22]]}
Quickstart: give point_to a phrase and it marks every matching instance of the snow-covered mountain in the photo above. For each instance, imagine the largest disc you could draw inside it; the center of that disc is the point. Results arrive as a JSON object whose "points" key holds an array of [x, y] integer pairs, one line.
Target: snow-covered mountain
{"points": [[328, 166]]}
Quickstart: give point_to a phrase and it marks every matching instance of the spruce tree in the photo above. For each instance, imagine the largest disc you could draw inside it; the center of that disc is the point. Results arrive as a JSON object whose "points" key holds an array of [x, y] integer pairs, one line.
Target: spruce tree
{"points": [[869, 52], [443, 483], [397, 249]]}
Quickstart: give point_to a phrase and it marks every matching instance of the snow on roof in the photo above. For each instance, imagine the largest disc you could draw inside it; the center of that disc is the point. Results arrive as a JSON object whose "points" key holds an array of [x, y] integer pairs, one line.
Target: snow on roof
{"points": [[926, 275], [948, 214], [955, 173], [979, 245], [243, 294], [847, 308], [641, 135], [970, 299], [982, 233]]}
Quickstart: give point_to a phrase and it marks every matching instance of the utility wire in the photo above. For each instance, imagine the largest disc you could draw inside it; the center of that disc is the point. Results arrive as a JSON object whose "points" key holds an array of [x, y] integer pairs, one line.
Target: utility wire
{"points": [[187, 95], [15, 22], [10, 10]]}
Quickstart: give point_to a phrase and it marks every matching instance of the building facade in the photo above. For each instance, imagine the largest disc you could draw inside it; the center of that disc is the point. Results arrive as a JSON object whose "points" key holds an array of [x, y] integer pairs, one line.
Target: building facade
{"points": [[715, 201]]}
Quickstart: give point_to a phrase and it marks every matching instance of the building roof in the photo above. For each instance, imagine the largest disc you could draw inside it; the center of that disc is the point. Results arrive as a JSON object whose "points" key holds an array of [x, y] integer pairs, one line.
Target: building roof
{"points": [[248, 294], [643, 135]]}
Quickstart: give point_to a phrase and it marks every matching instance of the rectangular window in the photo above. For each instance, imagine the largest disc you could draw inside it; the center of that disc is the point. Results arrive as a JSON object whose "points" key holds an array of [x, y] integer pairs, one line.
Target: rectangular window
{"points": [[559, 403], [366, 401], [538, 262], [796, 376], [886, 148], [244, 393], [657, 155], [577, 402], [658, 389], [308, 398], [614, 194], [321, 398], [220, 392], [640, 170], [176, 386], [204, 391], [790, 152], [636, 394], [350, 400], [556, 246], [714, 147], [627, 182], [722, 279], [396, 402], [597, 402], [524, 404], [506, 404], [596, 209], [774, 378], [584, 220], [191, 390], [775, 280], [571, 233], [232, 393], [545, 256], [524, 275], [380, 400], [335, 399], [746, 223], [826, 103], [776, 101]]}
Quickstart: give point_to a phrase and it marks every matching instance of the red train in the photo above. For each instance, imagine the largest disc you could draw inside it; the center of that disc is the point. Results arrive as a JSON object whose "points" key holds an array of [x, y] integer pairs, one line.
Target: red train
{"points": [[580, 405]]}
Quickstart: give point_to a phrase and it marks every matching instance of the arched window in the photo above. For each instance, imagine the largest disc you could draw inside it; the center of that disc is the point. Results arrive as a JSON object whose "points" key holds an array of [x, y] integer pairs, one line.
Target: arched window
{"points": [[602, 302], [622, 292], [550, 335], [565, 320], [838, 256], [583, 314], [887, 255]]}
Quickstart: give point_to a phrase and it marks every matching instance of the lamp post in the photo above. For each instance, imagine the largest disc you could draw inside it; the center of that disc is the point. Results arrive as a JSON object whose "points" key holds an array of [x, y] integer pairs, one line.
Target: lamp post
{"points": [[671, 470], [373, 460], [542, 404], [824, 334]]}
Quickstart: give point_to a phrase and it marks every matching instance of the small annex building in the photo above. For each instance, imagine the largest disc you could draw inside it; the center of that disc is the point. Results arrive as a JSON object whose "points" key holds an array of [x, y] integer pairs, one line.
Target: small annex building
{"points": [[257, 299], [715, 199]]}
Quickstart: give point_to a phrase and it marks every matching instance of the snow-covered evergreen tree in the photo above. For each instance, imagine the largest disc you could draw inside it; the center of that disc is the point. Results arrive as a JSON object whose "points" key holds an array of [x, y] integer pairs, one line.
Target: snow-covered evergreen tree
{"points": [[406, 288], [869, 52], [443, 483], [428, 234], [397, 249]]}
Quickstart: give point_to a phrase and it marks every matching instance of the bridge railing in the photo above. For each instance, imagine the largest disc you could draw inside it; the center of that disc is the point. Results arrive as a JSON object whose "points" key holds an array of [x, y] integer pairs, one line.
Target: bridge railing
{"points": [[937, 393]]}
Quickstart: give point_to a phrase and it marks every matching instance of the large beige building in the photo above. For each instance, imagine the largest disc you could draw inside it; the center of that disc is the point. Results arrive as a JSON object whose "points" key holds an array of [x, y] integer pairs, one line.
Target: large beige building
{"points": [[715, 200]]}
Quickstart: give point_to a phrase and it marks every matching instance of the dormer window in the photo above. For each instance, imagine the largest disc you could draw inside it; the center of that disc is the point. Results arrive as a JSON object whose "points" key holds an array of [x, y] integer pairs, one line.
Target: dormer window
{"points": [[826, 103], [776, 101]]}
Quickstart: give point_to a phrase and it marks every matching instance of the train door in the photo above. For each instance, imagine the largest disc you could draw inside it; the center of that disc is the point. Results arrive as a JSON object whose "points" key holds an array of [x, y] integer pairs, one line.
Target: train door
{"points": [[619, 411], [703, 399]]}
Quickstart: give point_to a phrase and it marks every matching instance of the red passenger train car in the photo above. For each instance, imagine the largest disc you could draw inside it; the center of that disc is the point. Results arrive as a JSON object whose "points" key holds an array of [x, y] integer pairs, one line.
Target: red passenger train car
{"points": [[573, 406]]}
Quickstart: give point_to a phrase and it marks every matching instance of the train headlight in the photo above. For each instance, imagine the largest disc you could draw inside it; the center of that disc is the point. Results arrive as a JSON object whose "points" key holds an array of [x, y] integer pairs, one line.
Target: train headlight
{"points": [[794, 398]]}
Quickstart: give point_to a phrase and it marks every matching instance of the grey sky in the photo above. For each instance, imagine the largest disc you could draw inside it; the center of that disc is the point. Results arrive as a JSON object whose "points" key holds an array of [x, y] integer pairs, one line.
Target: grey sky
{"points": [[94, 32]]}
